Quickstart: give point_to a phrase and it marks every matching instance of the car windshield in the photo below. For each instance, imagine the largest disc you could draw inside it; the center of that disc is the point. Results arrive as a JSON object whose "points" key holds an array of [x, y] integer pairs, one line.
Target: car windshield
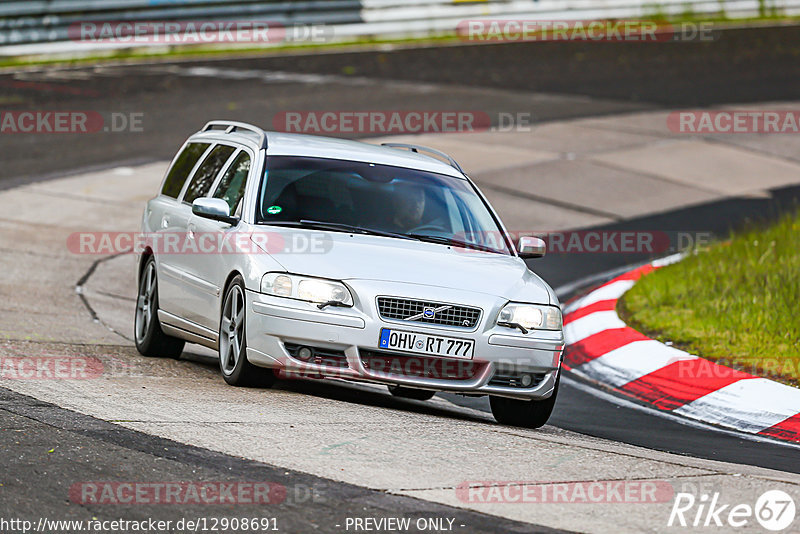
{"points": [[380, 199]]}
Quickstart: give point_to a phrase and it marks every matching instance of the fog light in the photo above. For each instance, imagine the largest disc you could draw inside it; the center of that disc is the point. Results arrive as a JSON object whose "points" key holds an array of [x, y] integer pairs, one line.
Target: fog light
{"points": [[526, 380], [305, 354]]}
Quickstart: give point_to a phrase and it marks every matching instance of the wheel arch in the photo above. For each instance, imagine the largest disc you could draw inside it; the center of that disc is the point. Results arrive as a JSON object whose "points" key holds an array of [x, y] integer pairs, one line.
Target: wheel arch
{"points": [[143, 259], [233, 274]]}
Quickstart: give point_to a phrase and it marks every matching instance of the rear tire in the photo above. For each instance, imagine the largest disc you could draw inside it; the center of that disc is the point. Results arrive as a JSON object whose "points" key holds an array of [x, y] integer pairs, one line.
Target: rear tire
{"points": [[232, 345], [522, 413], [147, 334], [411, 393]]}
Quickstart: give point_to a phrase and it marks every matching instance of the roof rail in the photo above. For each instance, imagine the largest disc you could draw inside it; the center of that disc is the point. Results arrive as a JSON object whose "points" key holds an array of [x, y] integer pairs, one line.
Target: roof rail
{"points": [[232, 126], [419, 148]]}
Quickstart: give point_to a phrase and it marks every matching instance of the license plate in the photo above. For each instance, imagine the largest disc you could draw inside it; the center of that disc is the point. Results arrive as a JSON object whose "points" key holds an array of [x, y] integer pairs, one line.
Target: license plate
{"points": [[426, 344]]}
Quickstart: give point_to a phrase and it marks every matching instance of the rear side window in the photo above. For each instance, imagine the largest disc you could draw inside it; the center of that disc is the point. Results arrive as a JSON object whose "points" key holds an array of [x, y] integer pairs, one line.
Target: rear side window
{"points": [[207, 173], [231, 187], [183, 166]]}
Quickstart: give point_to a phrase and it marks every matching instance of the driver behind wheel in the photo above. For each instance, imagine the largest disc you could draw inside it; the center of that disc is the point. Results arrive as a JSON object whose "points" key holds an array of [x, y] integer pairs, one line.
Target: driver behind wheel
{"points": [[408, 207]]}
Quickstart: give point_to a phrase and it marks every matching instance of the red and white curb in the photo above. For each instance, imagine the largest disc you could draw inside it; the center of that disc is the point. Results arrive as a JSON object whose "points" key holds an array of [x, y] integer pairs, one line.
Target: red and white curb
{"points": [[602, 348]]}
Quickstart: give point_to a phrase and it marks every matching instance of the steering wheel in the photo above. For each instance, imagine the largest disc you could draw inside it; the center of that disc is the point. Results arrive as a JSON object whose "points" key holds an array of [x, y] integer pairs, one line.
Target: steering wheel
{"points": [[428, 227]]}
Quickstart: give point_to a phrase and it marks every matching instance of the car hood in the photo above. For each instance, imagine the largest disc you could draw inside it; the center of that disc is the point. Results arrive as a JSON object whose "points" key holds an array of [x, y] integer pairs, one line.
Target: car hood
{"points": [[364, 257]]}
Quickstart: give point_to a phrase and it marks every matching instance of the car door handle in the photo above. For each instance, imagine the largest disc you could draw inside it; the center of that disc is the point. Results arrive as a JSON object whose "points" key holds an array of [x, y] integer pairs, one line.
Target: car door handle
{"points": [[190, 231], [164, 222]]}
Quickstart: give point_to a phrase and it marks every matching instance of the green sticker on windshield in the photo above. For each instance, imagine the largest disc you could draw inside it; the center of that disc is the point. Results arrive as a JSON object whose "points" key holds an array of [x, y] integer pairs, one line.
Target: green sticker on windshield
{"points": [[274, 210]]}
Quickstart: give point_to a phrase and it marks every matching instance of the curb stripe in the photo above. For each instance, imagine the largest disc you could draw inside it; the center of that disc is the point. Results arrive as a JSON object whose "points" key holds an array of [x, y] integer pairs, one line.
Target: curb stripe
{"points": [[632, 361], [602, 347], [682, 382], [590, 325], [603, 305], [740, 405], [788, 429], [637, 273], [595, 346], [612, 290]]}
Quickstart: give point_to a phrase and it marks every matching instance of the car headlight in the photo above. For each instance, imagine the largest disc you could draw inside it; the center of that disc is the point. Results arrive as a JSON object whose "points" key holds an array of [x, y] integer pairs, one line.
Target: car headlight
{"points": [[306, 288], [530, 316]]}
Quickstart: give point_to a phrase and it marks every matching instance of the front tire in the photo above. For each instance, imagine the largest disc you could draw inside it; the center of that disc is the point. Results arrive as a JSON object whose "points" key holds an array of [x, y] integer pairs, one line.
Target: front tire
{"points": [[522, 413], [147, 334], [233, 364], [411, 393]]}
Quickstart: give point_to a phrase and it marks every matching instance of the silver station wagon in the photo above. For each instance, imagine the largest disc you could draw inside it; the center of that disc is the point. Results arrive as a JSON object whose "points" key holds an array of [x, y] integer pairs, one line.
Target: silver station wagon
{"points": [[303, 256]]}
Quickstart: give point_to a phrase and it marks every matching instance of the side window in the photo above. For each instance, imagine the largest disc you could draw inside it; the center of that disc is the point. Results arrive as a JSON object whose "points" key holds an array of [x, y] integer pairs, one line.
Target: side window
{"points": [[207, 173], [231, 187], [183, 166]]}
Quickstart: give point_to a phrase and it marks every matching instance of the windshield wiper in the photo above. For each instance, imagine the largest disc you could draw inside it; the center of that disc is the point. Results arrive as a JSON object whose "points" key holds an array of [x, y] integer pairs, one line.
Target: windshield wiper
{"points": [[334, 303], [338, 227], [450, 241], [509, 324]]}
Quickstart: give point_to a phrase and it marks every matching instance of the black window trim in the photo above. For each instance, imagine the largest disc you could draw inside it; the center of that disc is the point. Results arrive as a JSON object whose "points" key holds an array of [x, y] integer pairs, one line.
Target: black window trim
{"points": [[191, 172], [227, 167], [200, 161]]}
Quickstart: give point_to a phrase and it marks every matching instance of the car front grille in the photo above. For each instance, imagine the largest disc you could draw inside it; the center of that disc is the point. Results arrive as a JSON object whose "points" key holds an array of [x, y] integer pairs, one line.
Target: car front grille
{"points": [[421, 311]]}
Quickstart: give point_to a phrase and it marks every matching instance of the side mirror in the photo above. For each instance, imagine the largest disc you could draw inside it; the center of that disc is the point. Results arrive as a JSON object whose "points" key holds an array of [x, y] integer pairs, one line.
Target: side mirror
{"points": [[215, 209], [531, 247]]}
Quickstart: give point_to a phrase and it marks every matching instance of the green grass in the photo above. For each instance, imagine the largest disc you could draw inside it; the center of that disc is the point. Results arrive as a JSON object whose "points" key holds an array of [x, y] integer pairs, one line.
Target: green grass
{"points": [[736, 302]]}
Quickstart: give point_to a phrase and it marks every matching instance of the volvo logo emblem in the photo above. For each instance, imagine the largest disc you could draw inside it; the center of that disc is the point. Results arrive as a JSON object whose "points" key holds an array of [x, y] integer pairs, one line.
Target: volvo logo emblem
{"points": [[427, 313]]}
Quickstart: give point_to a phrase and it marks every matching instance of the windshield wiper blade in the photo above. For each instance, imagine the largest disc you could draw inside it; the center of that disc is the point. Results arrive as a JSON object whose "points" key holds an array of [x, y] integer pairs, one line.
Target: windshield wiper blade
{"points": [[334, 303], [450, 241], [509, 324], [340, 227], [351, 228]]}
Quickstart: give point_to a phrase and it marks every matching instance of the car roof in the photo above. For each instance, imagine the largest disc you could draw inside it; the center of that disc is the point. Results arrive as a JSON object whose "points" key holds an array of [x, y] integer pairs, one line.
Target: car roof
{"points": [[290, 144]]}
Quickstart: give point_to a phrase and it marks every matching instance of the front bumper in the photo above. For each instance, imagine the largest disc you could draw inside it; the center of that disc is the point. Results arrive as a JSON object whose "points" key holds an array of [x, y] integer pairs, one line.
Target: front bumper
{"points": [[501, 355]]}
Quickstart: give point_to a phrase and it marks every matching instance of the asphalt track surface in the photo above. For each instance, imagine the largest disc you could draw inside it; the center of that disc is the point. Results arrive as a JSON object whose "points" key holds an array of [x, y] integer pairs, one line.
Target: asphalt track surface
{"points": [[577, 79], [33, 485]]}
